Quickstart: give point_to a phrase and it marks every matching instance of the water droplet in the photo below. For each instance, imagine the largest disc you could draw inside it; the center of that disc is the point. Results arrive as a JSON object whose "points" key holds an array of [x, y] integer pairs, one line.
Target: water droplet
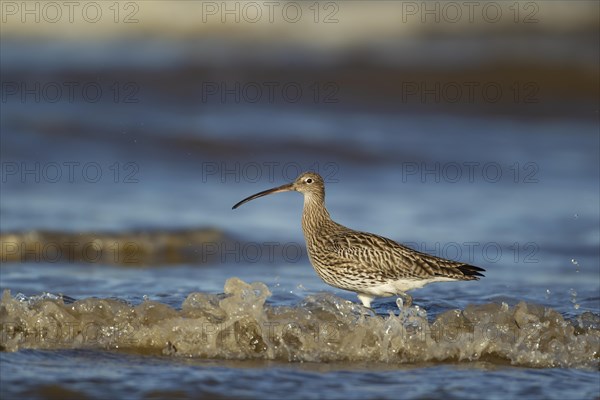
{"points": [[574, 298], [575, 215], [574, 261]]}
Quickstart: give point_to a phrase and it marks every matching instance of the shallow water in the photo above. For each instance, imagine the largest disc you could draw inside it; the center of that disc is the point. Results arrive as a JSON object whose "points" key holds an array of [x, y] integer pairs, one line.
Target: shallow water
{"points": [[113, 374], [171, 294], [268, 340]]}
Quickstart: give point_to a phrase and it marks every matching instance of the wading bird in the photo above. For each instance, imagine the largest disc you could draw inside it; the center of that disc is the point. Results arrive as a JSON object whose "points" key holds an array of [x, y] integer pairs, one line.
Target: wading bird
{"points": [[368, 264]]}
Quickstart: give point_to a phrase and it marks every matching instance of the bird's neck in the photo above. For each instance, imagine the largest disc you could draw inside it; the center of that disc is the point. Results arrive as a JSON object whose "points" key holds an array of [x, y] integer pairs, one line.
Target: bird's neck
{"points": [[314, 215]]}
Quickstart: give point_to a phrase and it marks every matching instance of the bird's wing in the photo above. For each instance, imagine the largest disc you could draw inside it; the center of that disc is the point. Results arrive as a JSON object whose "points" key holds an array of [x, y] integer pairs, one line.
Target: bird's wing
{"points": [[392, 261]]}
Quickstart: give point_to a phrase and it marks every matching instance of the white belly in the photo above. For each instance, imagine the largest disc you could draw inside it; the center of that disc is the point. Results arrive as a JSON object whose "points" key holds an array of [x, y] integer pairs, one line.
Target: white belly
{"points": [[401, 286]]}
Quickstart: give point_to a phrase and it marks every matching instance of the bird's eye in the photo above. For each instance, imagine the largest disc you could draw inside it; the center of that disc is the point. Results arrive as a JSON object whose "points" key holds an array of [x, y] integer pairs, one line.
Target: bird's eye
{"points": [[309, 180]]}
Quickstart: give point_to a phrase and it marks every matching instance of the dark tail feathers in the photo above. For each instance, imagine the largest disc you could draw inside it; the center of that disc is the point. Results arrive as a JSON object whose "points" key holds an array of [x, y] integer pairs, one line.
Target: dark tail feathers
{"points": [[471, 271]]}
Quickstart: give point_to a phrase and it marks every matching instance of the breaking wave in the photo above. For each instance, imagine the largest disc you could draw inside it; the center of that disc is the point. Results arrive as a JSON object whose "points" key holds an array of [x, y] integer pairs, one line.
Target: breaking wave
{"points": [[240, 324]]}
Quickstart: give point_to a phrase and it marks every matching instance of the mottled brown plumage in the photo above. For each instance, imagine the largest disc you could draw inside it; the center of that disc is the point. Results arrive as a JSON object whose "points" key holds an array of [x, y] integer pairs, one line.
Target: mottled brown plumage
{"points": [[368, 264]]}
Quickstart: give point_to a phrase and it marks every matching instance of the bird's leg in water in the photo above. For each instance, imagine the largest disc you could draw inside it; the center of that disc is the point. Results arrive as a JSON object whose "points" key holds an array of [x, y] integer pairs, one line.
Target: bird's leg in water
{"points": [[404, 300]]}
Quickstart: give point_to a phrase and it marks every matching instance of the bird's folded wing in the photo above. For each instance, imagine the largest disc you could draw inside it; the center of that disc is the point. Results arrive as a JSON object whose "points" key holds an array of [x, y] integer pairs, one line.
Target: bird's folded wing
{"points": [[390, 260]]}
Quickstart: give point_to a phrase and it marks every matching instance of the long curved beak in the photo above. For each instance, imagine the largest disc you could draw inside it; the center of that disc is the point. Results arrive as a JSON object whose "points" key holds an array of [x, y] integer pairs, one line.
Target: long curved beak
{"points": [[283, 188]]}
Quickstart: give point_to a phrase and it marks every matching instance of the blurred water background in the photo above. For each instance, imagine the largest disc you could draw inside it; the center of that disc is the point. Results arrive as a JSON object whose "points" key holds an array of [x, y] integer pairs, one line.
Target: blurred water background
{"points": [[128, 130]]}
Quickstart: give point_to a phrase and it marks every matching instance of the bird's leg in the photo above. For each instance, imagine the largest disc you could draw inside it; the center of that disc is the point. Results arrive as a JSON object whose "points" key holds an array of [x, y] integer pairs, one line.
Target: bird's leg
{"points": [[404, 300], [365, 299], [366, 302]]}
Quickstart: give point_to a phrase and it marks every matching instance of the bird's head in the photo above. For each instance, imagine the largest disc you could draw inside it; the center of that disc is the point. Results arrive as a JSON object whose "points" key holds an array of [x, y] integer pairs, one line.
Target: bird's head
{"points": [[308, 183]]}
